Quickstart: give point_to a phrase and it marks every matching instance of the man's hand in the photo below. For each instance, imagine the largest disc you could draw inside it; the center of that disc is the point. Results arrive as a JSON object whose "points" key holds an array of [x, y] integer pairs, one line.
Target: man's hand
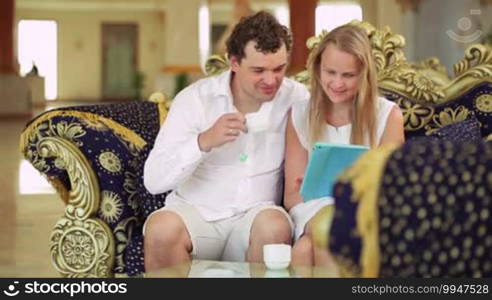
{"points": [[226, 129]]}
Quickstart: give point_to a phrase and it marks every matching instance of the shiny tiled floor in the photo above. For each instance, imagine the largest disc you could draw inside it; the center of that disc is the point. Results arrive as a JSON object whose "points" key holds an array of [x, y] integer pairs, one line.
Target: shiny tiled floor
{"points": [[29, 209]]}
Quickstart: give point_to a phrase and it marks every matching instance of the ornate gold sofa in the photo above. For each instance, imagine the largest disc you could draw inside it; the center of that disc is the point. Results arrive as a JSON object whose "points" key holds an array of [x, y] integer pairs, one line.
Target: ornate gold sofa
{"points": [[94, 155]]}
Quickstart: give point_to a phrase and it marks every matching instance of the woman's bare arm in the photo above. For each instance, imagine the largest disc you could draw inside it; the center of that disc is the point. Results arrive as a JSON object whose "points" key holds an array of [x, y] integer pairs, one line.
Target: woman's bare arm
{"points": [[296, 158], [393, 132]]}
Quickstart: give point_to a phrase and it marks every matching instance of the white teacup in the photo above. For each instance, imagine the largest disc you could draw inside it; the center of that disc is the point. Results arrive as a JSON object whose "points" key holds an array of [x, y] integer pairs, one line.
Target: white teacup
{"points": [[256, 122], [277, 256]]}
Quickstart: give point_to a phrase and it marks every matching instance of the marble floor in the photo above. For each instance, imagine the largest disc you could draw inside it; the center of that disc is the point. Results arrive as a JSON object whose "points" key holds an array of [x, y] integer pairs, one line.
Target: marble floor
{"points": [[29, 209]]}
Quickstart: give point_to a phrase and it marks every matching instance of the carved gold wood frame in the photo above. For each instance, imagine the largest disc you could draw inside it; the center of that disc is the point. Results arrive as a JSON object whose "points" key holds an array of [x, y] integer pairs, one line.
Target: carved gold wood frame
{"points": [[82, 245], [425, 82]]}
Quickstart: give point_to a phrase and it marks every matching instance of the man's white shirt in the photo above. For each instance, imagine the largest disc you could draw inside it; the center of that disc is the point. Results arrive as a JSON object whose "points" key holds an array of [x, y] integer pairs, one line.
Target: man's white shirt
{"points": [[234, 177]]}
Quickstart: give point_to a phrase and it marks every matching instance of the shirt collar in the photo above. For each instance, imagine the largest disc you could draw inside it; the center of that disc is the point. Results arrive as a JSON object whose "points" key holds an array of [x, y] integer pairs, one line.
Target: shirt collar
{"points": [[225, 84]]}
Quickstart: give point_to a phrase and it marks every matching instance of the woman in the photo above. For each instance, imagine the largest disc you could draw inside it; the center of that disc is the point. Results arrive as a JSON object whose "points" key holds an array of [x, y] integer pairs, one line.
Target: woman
{"points": [[344, 108]]}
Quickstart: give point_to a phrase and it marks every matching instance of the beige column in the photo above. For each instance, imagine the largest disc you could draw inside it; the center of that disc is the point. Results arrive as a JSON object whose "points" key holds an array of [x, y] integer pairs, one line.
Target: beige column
{"points": [[389, 14], [386, 13], [408, 10], [182, 33], [302, 25], [369, 11], [241, 9]]}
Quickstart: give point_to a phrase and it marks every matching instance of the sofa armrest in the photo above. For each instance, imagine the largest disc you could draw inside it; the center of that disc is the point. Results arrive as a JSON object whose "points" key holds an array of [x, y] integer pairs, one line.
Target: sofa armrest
{"points": [[94, 156]]}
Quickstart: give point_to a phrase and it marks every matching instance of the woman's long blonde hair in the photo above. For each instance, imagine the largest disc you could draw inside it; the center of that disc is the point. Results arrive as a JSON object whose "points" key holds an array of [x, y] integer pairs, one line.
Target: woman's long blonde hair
{"points": [[352, 40]]}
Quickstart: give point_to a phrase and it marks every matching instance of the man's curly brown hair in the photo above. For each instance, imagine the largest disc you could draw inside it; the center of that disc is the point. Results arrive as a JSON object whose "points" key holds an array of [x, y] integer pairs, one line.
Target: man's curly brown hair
{"points": [[264, 29]]}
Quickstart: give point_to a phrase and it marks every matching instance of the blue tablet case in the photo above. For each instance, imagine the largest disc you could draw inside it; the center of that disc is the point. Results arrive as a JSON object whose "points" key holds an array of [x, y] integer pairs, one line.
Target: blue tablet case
{"points": [[326, 163]]}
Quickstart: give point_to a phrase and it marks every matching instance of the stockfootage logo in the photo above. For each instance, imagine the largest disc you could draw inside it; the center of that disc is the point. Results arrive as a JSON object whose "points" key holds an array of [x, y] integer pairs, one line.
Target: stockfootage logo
{"points": [[465, 24], [11, 290]]}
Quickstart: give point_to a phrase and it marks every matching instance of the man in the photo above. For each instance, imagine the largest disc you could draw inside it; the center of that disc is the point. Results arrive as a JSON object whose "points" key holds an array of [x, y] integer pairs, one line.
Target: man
{"points": [[221, 150]]}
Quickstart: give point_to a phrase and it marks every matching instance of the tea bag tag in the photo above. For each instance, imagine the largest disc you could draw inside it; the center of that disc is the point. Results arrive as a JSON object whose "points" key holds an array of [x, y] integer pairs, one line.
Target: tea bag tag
{"points": [[243, 157]]}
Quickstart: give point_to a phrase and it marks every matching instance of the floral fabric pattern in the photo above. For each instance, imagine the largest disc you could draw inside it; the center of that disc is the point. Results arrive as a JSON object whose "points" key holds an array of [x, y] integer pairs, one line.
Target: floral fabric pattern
{"points": [[422, 119], [433, 213], [118, 165]]}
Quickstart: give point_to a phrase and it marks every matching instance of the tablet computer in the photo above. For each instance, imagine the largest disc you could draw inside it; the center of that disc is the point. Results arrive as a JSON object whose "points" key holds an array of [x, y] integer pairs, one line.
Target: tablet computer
{"points": [[326, 163]]}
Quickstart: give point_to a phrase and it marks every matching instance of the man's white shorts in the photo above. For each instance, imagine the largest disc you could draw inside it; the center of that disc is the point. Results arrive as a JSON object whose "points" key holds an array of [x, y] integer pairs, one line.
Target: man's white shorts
{"points": [[226, 239]]}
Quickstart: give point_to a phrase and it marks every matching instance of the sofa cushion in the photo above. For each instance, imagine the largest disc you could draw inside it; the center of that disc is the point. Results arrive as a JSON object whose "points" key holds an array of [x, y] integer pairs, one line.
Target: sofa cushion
{"points": [[467, 130], [463, 131], [134, 259], [434, 210]]}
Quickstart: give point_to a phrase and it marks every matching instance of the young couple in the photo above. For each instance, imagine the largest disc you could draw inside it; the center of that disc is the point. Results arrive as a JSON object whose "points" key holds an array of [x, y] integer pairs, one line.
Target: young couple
{"points": [[222, 147]]}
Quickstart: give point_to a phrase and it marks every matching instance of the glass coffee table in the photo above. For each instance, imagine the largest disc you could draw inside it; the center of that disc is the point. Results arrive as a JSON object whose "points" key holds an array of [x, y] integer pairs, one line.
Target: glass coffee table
{"points": [[225, 269]]}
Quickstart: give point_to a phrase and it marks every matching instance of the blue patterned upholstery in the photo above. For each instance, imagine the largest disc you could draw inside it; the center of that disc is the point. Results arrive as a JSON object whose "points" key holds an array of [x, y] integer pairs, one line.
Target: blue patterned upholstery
{"points": [[433, 213], [462, 131], [423, 119], [117, 161], [343, 242], [442, 198]]}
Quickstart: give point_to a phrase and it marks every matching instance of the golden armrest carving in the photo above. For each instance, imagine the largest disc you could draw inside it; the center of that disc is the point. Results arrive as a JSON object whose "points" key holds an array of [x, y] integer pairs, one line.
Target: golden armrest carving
{"points": [[84, 195], [82, 248], [433, 69], [477, 62], [432, 63], [81, 244], [475, 68]]}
